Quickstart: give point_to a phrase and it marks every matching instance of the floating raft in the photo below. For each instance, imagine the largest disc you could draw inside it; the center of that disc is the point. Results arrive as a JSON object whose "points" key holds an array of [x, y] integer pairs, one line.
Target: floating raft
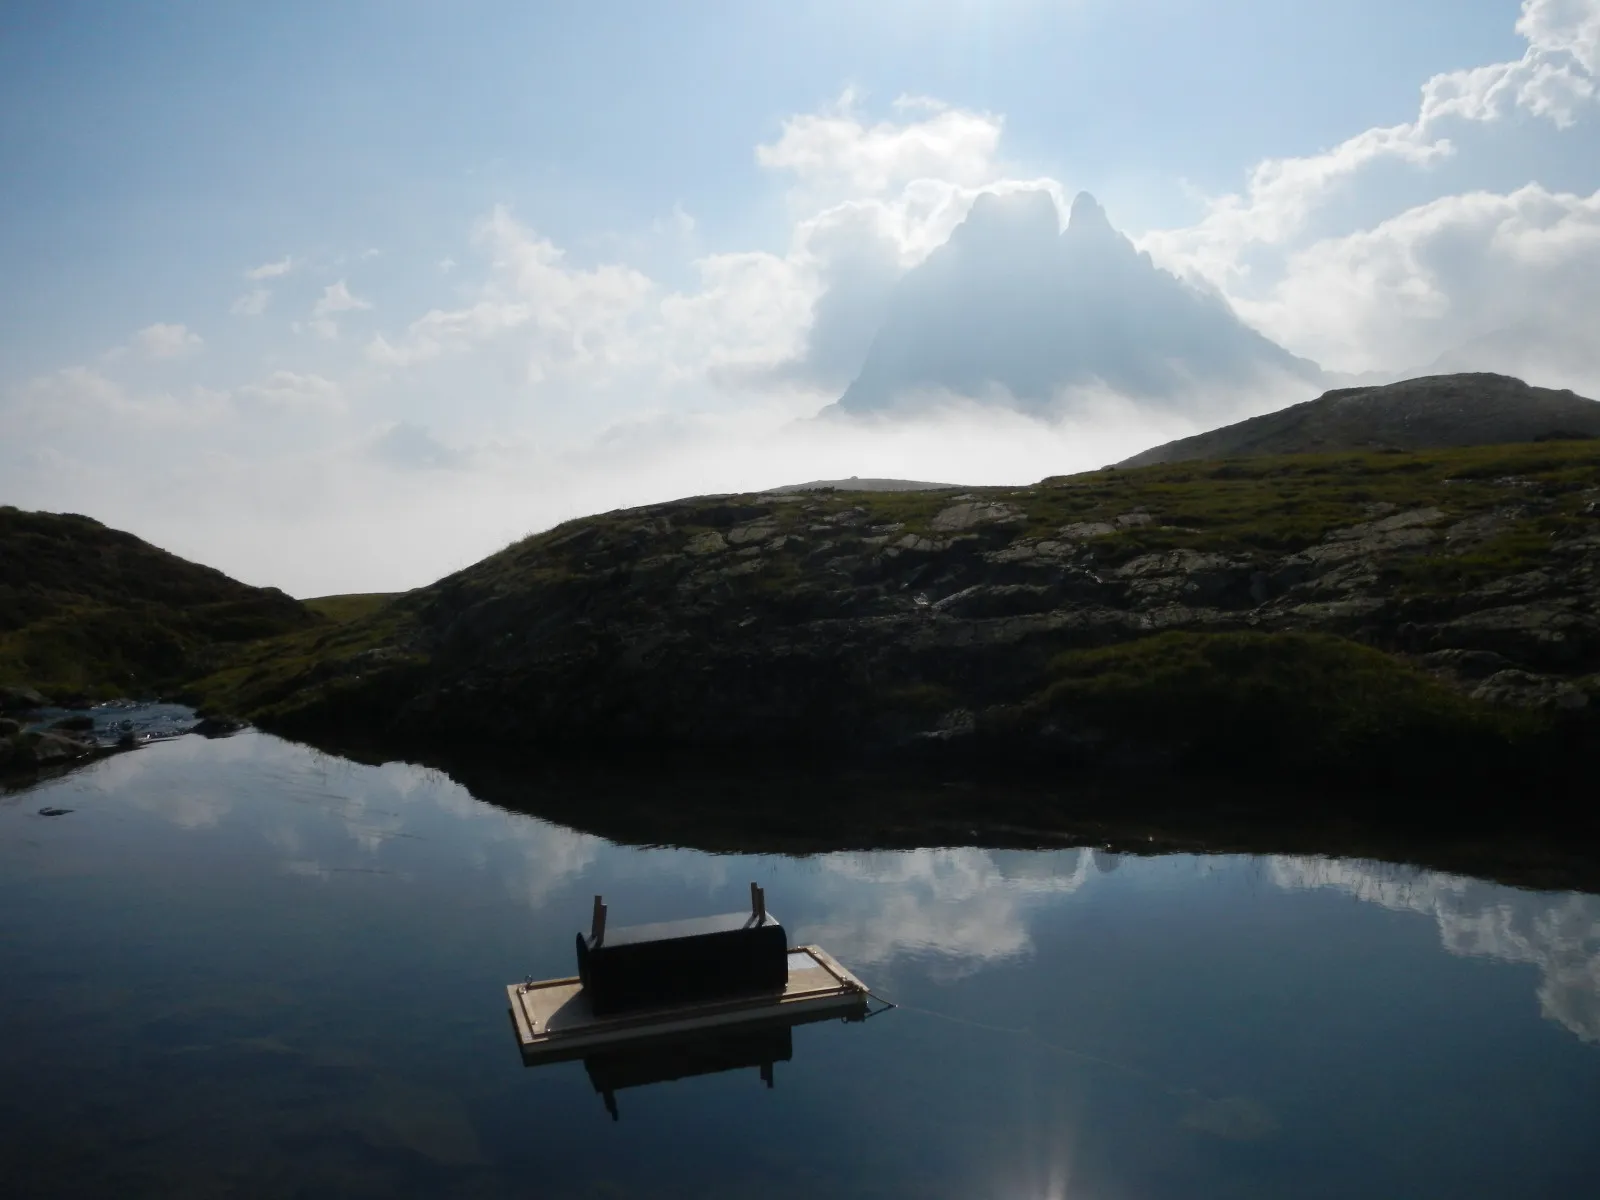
{"points": [[554, 1018]]}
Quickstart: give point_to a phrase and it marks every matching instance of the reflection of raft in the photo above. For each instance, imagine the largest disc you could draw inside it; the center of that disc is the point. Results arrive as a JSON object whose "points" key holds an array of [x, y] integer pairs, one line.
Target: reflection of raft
{"points": [[680, 978]]}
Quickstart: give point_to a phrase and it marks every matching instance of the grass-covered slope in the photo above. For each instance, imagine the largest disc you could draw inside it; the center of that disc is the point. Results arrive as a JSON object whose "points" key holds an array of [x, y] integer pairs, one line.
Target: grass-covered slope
{"points": [[1348, 615], [87, 611], [1430, 413]]}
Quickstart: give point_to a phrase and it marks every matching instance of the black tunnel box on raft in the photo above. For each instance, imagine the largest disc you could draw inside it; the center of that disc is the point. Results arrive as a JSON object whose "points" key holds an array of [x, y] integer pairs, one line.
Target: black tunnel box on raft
{"points": [[678, 962]]}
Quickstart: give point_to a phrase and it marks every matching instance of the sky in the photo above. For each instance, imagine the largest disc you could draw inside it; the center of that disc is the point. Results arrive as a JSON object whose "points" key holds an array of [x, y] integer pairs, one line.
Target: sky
{"points": [[344, 297]]}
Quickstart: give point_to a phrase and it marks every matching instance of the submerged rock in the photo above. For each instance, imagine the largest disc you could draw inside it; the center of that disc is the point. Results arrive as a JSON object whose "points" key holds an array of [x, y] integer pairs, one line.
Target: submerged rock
{"points": [[215, 725]]}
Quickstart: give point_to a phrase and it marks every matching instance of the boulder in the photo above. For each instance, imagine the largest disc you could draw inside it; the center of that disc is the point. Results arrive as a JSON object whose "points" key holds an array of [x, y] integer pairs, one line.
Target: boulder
{"points": [[970, 513], [49, 748], [709, 542], [1472, 664], [20, 699], [1523, 689]]}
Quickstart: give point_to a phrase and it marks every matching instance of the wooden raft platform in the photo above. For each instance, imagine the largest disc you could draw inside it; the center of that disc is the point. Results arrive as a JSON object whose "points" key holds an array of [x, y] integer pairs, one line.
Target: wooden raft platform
{"points": [[553, 1019]]}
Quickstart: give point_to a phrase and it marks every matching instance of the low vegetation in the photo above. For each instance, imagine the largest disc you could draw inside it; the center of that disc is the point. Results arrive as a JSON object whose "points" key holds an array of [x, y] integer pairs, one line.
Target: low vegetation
{"points": [[89, 612]]}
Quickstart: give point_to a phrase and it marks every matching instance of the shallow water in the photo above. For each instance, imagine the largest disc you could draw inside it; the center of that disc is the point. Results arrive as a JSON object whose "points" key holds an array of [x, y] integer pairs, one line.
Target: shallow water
{"points": [[240, 967]]}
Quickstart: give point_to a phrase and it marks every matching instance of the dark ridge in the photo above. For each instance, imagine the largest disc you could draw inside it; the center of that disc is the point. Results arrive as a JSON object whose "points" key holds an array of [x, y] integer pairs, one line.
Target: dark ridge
{"points": [[88, 611], [1433, 412]]}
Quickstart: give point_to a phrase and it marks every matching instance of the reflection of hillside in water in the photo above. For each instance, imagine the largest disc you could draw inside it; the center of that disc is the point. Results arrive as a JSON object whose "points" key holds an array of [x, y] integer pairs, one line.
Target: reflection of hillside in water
{"points": [[1559, 934], [966, 906]]}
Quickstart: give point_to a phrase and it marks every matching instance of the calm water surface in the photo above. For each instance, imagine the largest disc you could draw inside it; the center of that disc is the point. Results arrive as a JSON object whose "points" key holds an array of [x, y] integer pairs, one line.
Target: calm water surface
{"points": [[242, 968]]}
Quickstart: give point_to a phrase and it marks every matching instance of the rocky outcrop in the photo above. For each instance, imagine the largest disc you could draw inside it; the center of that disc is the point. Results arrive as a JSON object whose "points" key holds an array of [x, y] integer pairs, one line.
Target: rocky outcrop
{"points": [[991, 621], [25, 751]]}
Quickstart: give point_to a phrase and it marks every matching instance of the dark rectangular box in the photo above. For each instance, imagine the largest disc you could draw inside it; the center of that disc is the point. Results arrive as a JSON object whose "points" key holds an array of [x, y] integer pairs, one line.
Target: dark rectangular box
{"points": [[680, 962]]}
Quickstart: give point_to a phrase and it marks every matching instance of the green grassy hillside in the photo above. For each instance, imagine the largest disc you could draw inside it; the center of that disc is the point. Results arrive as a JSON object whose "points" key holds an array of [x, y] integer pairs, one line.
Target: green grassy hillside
{"points": [[92, 612]]}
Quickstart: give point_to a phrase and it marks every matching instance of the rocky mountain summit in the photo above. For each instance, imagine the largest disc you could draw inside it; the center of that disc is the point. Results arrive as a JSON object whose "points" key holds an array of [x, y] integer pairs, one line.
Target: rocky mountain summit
{"points": [[1432, 412], [1013, 309], [1397, 613]]}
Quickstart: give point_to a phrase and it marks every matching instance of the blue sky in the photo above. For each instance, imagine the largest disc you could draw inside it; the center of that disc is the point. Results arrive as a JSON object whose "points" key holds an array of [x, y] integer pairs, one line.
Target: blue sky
{"points": [[418, 278]]}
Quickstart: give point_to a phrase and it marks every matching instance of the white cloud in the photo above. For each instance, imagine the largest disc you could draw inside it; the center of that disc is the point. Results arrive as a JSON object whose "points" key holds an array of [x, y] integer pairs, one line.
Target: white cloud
{"points": [[567, 316], [1435, 276], [1555, 76], [271, 270], [290, 391], [87, 401], [336, 298], [678, 223], [837, 150], [252, 303], [161, 341]]}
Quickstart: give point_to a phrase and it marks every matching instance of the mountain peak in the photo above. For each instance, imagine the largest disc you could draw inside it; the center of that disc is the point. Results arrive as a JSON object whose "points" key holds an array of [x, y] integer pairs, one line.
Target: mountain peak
{"points": [[1011, 307], [1013, 216], [1087, 216]]}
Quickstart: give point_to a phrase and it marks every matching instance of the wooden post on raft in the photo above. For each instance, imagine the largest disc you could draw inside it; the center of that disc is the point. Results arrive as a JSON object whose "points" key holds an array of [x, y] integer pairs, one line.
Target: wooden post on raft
{"points": [[597, 926]]}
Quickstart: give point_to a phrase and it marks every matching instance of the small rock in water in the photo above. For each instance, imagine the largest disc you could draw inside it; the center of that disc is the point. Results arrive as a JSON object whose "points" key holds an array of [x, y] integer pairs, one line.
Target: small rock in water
{"points": [[217, 725], [48, 811]]}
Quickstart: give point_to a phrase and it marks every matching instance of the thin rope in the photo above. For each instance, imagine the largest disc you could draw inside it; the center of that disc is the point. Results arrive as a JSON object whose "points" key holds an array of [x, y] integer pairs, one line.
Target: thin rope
{"points": [[1032, 1035]]}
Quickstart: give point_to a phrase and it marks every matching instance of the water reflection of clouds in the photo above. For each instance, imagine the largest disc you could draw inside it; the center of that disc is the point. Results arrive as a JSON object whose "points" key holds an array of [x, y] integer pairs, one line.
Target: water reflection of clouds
{"points": [[1558, 934], [968, 907], [187, 799]]}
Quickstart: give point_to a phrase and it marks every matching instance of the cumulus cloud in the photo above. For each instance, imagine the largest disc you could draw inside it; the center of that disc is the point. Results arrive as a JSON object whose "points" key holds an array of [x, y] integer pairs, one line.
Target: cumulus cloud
{"points": [[271, 270], [290, 391], [608, 320], [839, 150], [1422, 283], [252, 303], [336, 298], [1479, 279], [167, 341], [1555, 76]]}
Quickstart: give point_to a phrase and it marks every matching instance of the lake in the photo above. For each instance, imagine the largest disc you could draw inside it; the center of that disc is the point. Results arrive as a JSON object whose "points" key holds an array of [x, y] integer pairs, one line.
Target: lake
{"points": [[244, 968]]}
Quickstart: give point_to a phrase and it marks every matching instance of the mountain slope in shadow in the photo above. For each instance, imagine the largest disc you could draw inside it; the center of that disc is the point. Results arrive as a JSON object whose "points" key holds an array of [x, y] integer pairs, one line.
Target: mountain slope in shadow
{"points": [[1431, 413]]}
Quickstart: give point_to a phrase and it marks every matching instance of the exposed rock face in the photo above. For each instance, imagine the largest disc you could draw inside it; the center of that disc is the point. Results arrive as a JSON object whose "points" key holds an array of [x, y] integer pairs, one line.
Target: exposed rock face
{"points": [[1419, 414], [844, 624], [1013, 309]]}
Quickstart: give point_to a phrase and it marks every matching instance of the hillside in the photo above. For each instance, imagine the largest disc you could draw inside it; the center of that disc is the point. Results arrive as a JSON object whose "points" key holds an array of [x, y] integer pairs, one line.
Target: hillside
{"points": [[1013, 309], [1432, 412], [87, 611], [1358, 616]]}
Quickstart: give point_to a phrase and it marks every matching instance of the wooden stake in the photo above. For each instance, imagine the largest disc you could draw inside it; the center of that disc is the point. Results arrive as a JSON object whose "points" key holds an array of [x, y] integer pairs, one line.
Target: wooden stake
{"points": [[597, 927]]}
